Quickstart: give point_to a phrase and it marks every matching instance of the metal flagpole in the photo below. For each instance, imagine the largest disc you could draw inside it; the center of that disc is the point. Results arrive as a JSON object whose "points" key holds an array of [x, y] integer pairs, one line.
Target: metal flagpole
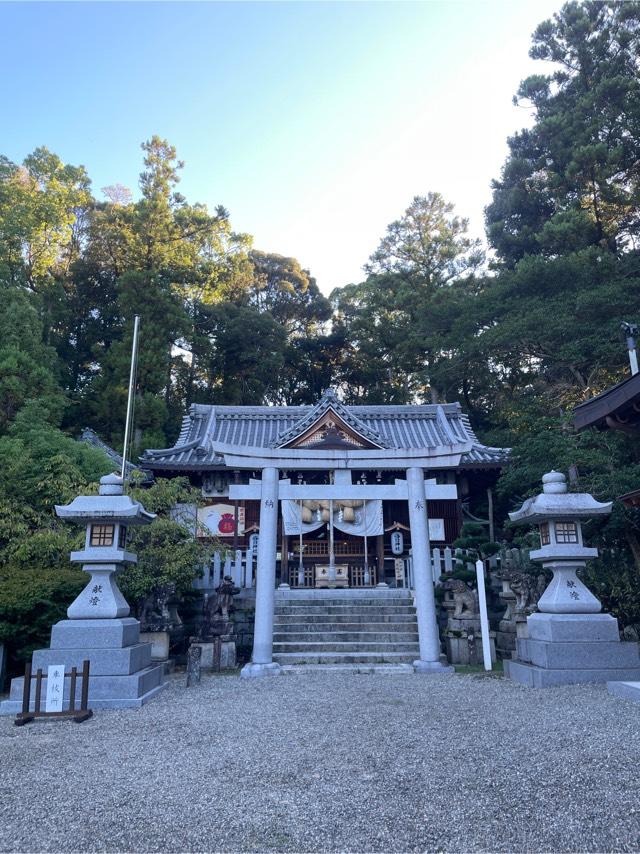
{"points": [[367, 575], [130, 399]]}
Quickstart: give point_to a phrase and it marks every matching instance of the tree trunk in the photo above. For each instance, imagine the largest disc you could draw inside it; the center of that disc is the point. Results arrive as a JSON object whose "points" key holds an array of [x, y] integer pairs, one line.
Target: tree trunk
{"points": [[634, 545]]}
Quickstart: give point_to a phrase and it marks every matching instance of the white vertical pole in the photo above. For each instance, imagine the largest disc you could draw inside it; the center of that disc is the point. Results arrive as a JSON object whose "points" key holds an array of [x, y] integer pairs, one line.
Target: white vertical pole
{"points": [[237, 569], [437, 566], [448, 560], [484, 619]]}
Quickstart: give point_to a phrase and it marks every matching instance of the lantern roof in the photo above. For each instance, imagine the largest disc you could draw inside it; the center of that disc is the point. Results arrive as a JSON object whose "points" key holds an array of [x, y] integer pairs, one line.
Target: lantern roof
{"points": [[554, 502], [110, 505]]}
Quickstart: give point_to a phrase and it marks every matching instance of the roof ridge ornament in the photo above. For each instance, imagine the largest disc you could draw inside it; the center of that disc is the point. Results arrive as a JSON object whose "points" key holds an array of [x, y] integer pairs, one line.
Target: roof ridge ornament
{"points": [[329, 402]]}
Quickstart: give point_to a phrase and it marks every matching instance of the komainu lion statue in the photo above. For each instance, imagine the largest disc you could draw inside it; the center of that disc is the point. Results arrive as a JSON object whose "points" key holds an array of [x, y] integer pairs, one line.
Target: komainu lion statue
{"points": [[466, 603], [527, 589]]}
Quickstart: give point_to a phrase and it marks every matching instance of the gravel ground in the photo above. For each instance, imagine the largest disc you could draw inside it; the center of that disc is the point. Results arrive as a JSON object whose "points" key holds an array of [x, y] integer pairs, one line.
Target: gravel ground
{"points": [[331, 762]]}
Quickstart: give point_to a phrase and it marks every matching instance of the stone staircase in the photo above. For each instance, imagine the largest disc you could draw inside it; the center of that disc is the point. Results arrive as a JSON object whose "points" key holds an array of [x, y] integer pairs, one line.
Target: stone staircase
{"points": [[345, 627]]}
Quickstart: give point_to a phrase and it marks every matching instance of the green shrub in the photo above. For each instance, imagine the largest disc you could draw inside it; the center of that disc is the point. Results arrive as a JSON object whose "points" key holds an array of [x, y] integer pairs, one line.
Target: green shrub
{"points": [[31, 601]]}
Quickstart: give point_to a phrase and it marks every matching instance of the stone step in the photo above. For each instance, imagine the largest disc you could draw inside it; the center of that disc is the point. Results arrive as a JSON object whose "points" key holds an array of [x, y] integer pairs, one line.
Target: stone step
{"points": [[331, 619], [581, 654], [314, 628], [540, 677], [370, 658], [627, 690], [341, 646], [387, 669], [369, 610], [368, 637], [348, 600], [342, 592]]}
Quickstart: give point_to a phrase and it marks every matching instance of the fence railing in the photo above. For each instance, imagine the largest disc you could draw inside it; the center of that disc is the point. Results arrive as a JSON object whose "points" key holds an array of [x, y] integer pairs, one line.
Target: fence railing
{"points": [[241, 566], [443, 562]]}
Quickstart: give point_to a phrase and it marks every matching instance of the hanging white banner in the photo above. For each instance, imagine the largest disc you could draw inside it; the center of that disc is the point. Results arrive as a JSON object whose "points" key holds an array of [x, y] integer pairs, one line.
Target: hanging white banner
{"points": [[365, 519]]}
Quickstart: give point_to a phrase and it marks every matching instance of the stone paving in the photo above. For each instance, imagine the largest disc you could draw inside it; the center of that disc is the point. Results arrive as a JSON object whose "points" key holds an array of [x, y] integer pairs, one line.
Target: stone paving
{"points": [[331, 762]]}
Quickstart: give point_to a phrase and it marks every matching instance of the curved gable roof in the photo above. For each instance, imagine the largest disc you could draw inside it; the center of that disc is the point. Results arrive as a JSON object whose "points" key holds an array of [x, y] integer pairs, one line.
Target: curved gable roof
{"points": [[329, 403], [425, 427]]}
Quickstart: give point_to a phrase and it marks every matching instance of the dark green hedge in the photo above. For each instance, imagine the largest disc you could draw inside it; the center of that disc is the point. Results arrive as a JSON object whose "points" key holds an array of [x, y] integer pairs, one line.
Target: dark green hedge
{"points": [[31, 601]]}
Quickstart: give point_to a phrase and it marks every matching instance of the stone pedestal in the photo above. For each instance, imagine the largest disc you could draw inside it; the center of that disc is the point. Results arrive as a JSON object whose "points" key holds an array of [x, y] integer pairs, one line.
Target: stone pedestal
{"points": [[506, 634], [463, 641], [3, 665], [505, 640], [122, 675], [222, 635], [564, 649], [228, 655], [159, 644]]}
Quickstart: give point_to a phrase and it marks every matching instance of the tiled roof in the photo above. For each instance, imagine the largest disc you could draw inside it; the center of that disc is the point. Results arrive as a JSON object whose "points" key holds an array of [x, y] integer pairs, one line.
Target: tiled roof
{"points": [[90, 437], [398, 427]]}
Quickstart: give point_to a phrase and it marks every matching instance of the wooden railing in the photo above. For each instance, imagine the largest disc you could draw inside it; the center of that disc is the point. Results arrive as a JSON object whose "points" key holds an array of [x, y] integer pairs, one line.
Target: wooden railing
{"points": [[358, 577], [320, 548], [241, 566]]}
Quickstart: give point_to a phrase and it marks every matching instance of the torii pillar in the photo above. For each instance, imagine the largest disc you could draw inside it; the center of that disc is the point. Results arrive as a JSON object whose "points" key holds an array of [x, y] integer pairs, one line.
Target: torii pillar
{"points": [[262, 663], [428, 635]]}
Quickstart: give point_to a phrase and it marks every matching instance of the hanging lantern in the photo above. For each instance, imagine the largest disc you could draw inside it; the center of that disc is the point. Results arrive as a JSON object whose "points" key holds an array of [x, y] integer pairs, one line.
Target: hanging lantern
{"points": [[397, 543]]}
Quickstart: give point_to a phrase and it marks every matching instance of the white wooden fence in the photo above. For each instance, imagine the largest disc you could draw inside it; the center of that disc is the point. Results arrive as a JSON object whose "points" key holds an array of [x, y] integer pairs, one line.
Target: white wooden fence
{"points": [[241, 566], [443, 562], [238, 564]]}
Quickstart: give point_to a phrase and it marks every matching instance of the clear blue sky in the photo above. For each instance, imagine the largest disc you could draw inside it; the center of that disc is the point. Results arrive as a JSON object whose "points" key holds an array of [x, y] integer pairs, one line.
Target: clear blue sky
{"points": [[313, 123]]}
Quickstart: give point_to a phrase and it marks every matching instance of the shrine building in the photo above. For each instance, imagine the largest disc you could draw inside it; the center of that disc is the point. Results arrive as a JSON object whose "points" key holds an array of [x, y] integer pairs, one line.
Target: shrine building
{"points": [[333, 496]]}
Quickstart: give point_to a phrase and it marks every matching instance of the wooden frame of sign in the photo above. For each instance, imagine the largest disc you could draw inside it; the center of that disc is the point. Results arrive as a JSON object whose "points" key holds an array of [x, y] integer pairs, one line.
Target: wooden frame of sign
{"points": [[78, 715]]}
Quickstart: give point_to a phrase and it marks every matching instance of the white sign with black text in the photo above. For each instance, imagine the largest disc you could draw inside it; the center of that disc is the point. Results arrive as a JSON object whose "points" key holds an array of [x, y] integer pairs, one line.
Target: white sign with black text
{"points": [[55, 688], [436, 529]]}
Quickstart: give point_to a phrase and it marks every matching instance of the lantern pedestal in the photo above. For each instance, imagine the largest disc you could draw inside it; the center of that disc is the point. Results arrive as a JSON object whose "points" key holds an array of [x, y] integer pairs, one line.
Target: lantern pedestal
{"points": [[566, 591], [564, 649], [122, 675], [101, 598]]}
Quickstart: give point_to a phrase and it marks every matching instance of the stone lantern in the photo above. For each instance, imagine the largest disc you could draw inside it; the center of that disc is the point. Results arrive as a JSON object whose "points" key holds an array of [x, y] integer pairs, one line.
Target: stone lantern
{"points": [[569, 640], [107, 517], [99, 627], [558, 514]]}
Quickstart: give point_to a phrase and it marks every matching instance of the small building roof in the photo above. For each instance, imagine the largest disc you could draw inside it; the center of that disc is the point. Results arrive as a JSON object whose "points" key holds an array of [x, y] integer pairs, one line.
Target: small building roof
{"points": [[617, 407], [90, 437], [206, 429]]}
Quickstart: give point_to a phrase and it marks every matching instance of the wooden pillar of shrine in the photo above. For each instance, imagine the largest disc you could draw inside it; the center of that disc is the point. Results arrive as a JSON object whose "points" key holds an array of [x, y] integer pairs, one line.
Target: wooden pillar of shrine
{"points": [[380, 557]]}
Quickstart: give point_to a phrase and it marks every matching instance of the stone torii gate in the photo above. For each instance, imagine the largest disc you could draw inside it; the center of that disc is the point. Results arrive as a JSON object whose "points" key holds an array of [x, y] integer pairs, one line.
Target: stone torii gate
{"points": [[270, 490]]}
